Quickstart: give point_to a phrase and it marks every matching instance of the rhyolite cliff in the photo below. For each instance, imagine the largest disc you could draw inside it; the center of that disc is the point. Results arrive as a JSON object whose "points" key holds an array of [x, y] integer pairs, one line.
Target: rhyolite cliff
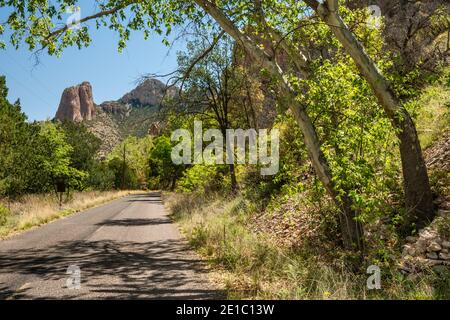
{"points": [[76, 103], [136, 113]]}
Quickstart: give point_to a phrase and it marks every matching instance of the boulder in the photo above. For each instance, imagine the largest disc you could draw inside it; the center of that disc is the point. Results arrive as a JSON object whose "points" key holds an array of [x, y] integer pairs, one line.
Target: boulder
{"points": [[444, 256], [432, 255], [446, 244], [434, 247]]}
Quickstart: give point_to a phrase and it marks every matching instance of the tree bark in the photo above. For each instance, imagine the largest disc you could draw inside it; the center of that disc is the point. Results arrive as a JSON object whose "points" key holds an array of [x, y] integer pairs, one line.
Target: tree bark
{"points": [[418, 195], [234, 184], [174, 183]]}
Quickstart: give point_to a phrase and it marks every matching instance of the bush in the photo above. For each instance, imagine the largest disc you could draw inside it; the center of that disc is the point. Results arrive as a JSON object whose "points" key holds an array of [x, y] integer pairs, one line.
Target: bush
{"points": [[443, 226], [163, 173], [201, 178], [101, 177], [4, 213], [124, 176]]}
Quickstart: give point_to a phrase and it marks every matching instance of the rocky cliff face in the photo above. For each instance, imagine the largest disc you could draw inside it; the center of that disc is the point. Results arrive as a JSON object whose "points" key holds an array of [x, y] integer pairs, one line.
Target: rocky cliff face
{"points": [[76, 103], [114, 107], [136, 113], [148, 93]]}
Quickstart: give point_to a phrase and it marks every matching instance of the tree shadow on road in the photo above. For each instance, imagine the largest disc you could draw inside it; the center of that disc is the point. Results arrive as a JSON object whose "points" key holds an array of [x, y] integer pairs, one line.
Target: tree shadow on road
{"points": [[151, 197], [134, 222], [115, 270]]}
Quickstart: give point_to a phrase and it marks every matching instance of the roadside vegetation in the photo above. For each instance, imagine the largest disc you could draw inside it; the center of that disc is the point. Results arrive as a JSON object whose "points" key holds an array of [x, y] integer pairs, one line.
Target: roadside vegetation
{"points": [[363, 117], [36, 157], [278, 237], [250, 264], [278, 241], [37, 209]]}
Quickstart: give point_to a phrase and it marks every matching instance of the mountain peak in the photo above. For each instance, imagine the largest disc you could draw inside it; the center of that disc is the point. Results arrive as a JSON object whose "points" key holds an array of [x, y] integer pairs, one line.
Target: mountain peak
{"points": [[77, 103]]}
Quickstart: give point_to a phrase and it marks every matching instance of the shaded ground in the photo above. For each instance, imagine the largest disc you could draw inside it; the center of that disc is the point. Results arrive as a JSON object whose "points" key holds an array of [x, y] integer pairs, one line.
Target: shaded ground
{"points": [[128, 249]]}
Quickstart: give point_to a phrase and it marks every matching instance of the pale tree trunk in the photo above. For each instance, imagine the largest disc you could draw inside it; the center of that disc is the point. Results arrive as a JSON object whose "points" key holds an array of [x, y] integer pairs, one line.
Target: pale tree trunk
{"points": [[418, 195], [351, 228]]}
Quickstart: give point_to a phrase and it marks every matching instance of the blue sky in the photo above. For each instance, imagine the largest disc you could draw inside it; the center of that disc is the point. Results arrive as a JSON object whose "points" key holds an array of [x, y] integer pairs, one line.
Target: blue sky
{"points": [[111, 74]]}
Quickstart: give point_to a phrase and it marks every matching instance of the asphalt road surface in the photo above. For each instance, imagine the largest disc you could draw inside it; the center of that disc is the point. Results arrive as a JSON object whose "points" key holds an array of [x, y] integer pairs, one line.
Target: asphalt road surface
{"points": [[126, 249]]}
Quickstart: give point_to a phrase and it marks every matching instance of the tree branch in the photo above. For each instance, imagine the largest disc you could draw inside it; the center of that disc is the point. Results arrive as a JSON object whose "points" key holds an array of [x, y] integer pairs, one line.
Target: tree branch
{"points": [[88, 18], [297, 56], [200, 57]]}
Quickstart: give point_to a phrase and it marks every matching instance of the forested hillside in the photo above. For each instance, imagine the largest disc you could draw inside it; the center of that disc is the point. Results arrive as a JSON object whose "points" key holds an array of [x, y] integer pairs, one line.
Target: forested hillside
{"points": [[345, 124]]}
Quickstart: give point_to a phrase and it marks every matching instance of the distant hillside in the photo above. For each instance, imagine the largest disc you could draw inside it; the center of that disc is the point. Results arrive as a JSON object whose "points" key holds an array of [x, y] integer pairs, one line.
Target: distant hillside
{"points": [[148, 93], [135, 113]]}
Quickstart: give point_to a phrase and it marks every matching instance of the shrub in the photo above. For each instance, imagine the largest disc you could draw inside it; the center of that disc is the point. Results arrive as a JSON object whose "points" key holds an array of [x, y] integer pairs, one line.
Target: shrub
{"points": [[4, 213], [201, 178], [101, 177]]}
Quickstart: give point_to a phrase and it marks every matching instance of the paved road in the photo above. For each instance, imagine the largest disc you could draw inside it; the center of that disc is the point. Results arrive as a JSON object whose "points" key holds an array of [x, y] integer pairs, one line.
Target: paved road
{"points": [[126, 249]]}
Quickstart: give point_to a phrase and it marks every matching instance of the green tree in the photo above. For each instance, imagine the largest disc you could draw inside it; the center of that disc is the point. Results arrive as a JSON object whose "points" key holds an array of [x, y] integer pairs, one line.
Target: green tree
{"points": [[133, 153], [163, 172], [85, 145], [101, 177], [263, 29], [211, 85], [124, 176], [32, 156], [53, 160], [13, 138], [418, 195]]}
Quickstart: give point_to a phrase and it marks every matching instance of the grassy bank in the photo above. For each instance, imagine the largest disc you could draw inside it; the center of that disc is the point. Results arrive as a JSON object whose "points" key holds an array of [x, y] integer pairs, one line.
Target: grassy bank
{"points": [[284, 244], [251, 265], [36, 210]]}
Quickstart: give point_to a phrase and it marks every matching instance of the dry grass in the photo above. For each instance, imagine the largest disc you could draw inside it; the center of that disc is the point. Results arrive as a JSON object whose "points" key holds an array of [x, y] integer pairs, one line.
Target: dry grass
{"points": [[433, 117], [251, 265], [36, 210]]}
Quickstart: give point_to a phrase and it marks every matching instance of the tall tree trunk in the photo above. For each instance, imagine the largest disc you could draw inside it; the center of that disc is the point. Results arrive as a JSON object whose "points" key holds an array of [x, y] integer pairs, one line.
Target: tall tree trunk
{"points": [[173, 183], [234, 184], [351, 229], [418, 195]]}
